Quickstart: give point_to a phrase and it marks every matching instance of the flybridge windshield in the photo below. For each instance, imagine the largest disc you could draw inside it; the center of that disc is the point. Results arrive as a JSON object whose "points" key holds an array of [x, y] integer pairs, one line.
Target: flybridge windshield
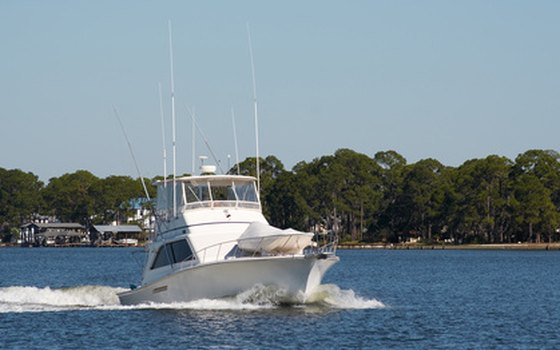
{"points": [[244, 192], [208, 193]]}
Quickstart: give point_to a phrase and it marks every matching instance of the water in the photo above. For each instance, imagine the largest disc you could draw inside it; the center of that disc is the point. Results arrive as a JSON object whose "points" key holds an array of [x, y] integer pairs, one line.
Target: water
{"points": [[66, 299]]}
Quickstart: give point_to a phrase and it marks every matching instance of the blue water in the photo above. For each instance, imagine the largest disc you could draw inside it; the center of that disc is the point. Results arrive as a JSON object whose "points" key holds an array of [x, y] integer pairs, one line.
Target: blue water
{"points": [[66, 299]]}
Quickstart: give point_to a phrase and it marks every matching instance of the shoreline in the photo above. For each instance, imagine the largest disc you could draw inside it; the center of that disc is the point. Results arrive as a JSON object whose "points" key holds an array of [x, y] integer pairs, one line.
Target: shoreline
{"points": [[371, 246], [9, 245], [497, 246]]}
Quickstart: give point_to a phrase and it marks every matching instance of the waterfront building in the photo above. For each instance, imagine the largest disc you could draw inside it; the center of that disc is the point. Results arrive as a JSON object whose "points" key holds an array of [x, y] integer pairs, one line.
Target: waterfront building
{"points": [[115, 234], [53, 233]]}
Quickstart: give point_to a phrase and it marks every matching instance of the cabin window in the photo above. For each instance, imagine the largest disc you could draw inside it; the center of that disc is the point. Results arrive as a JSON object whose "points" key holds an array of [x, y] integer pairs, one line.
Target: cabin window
{"points": [[231, 194], [197, 193], [161, 258], [203, 192], [223, 193], [220, 193], [192, 196], [181, 251], [164, 197], [171, 253], [246, 192]]}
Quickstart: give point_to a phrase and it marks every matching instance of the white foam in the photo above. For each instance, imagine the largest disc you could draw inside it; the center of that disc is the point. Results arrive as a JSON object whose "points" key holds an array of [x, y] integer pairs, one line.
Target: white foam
{"points": [[332, 296], [28, 299], [33, 299]]}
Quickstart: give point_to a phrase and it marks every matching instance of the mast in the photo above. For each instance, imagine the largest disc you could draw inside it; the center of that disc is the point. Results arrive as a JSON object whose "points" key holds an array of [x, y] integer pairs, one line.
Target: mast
{"points": [[255, 112], [173, 122]]}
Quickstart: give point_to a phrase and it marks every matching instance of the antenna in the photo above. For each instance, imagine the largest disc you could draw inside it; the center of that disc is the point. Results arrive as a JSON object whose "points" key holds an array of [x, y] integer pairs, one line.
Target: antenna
{"points": [[205, 140], [132, 153], [163, 136], [235, 140], [255, 111], [173, 122], [202, 159], [193, 138]]}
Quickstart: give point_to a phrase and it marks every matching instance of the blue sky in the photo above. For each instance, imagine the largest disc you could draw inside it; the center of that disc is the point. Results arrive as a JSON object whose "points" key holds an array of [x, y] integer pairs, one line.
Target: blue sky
{"points": [[450, 80]]}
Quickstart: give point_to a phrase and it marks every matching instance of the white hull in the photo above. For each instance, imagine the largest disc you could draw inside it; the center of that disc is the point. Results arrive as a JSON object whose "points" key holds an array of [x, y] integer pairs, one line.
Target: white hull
{"points": [[295, 274], [214, 242]]}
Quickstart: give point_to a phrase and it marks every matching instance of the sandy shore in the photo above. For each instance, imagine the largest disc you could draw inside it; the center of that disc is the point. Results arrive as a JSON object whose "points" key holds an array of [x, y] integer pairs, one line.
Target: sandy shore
{"points": [[512, 246]]}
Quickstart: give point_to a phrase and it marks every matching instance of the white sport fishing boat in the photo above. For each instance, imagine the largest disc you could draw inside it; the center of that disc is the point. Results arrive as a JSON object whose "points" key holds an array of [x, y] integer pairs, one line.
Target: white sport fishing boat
{"points": [[213, 241]]}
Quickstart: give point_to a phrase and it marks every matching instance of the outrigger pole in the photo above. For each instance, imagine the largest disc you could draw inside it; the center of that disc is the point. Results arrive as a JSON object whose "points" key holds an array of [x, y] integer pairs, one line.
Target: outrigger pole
{"points": [[132, 153], [163, 136], [255, 111], [173, 122]]}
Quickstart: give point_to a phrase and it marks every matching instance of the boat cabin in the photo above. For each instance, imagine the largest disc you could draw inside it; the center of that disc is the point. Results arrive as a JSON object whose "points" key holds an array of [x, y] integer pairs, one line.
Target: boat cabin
{"points": [[204, 221]]}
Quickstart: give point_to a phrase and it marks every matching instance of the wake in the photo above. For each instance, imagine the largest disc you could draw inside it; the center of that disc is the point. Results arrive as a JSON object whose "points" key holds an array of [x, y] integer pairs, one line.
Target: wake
{"points": [[32, 299]]}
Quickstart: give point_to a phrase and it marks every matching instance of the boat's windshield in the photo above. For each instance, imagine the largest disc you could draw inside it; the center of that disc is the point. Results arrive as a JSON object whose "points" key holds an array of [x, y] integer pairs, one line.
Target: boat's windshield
{"points": [[209, 193]]}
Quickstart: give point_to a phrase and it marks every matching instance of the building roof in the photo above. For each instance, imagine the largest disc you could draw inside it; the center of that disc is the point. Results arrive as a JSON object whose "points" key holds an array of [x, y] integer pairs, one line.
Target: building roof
{"points": [[56, 225], [56, 233], [118, 228]]}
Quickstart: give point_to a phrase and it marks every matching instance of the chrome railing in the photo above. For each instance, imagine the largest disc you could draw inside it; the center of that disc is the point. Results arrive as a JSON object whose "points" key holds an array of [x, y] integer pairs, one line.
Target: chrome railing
{"points": [[217, 252], [166, 214], [222, 203]]}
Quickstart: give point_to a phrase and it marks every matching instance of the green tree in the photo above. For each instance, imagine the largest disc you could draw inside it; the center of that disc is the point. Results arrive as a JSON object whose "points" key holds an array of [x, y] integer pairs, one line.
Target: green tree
{"points": [[113, 197], [343, 191], [360, 191], [419, 205], [19, 198], [69, 196], [286, 205], [545, 165], [270, 167], [537, 190], [392, 164], [535, 212], [483, 207], [318, 192]]}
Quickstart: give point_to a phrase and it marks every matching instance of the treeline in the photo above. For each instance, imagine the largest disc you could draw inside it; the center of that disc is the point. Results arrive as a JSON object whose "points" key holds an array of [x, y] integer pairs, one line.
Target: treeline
{"points": [[490, 200], [77, 197]]}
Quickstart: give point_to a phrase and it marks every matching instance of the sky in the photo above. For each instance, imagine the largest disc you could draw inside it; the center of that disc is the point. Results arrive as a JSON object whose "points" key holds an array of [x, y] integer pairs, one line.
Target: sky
{"points": [[449, 80]]}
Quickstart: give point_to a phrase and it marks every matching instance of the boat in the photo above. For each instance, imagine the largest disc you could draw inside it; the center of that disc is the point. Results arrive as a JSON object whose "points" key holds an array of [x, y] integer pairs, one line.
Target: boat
{"points": [[213, 241]]}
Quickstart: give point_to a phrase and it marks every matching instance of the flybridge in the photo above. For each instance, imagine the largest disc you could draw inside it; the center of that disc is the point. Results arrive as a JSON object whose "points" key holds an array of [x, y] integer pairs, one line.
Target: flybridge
{"points": [[207, 191]]}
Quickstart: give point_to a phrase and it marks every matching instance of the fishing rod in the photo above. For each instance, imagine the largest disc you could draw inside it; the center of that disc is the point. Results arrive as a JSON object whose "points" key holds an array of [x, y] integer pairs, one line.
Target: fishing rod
{"points": [[255, 110], [132, 153], [174, 135]]}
